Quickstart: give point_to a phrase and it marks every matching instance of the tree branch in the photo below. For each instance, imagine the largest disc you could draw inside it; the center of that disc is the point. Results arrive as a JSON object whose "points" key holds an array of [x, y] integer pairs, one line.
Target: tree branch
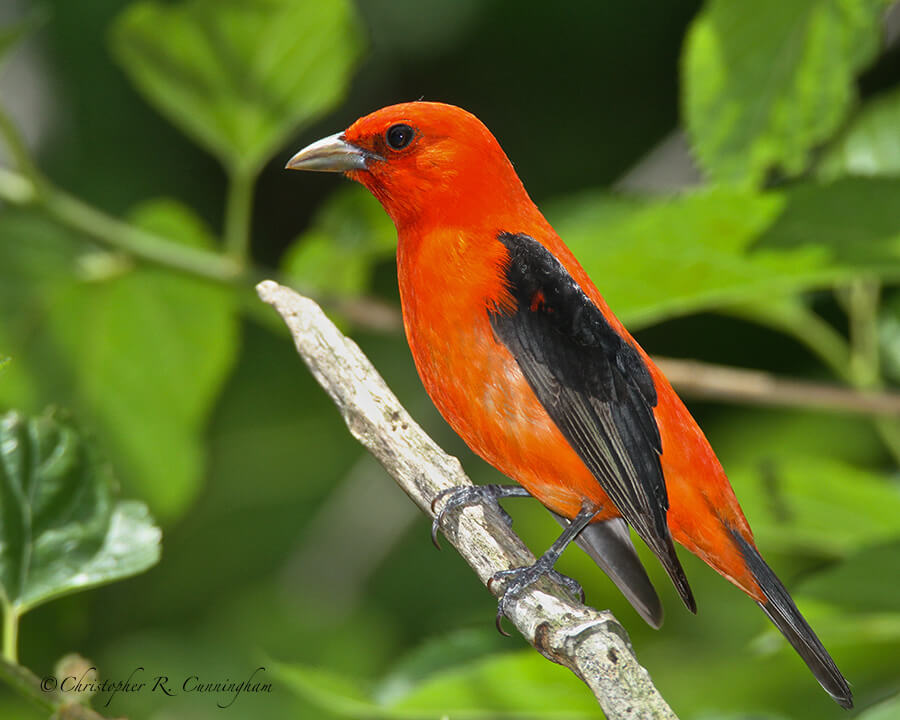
{"points": [[720, 382], [592, 644]]}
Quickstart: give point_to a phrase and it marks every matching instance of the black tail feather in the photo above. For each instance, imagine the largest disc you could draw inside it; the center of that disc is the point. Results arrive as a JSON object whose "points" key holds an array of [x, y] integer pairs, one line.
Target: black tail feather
{"points": [[609, 544], [787, 618], [672, 565]]}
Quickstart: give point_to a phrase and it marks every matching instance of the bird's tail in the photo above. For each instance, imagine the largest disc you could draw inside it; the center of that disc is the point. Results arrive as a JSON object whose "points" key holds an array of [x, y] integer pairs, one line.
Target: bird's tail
{"points": [[609, 545], [787, 618]]}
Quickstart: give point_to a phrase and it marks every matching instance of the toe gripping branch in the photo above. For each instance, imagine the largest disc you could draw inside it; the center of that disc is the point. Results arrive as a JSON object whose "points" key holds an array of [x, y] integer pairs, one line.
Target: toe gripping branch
{"points": [[514, 580], [464, 495]]}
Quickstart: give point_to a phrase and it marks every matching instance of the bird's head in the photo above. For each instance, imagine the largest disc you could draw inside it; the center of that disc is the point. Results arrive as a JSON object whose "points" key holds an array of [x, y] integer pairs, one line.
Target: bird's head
{"points": [[423, 161]]}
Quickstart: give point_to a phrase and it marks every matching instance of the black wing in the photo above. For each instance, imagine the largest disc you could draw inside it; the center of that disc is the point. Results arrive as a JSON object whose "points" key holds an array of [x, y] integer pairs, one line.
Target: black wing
{"points": [[594, 385]]}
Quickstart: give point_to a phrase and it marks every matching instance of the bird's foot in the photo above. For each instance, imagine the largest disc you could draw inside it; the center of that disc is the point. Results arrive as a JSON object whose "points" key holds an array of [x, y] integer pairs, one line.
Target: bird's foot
{"points": [[519, 579], [464, 495]]}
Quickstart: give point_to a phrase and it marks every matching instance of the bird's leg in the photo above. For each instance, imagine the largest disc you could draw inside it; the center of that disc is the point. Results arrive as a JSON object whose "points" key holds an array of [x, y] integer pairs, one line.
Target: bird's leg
{"points": [[469, 495], [518, 579]]}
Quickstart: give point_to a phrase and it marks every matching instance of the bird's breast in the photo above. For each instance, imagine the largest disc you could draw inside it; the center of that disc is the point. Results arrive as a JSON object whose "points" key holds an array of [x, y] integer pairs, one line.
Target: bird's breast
{"points": [[447, 286]]}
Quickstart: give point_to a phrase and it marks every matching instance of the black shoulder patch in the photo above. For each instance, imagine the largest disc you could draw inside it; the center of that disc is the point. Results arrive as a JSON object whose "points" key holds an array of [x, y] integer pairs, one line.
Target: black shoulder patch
{"points": [[593, 384]]}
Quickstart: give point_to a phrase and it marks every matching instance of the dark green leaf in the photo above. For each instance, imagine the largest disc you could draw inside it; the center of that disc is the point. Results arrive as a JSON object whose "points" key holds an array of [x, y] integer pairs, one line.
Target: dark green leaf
{"points": [[239, 76], [60, 530], [870, 145], [853, 223], [766, 82]]}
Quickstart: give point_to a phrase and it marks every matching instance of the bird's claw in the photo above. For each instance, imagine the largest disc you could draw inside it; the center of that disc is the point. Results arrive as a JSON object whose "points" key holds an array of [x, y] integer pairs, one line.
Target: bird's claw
{"points": [[462, 496], [519, 579]]}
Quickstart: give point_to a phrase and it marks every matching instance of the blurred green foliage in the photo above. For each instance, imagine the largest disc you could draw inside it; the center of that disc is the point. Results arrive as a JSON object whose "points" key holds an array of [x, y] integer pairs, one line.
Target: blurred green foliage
{"points": [[766, 82], [126, 272]]}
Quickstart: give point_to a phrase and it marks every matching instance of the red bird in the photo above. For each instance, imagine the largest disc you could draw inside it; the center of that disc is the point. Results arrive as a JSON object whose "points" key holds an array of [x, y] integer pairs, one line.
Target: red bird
{"points": [[523, 357]]}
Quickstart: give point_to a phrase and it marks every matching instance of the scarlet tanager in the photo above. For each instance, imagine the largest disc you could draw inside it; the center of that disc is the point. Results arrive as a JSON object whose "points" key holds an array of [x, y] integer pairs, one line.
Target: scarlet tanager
{"points": [[523, 357]]}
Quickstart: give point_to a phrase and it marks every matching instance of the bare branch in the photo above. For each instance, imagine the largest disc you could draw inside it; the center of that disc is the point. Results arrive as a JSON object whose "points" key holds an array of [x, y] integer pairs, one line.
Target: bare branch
{"points": [[592, 644], [719, 382], [692, 378]]}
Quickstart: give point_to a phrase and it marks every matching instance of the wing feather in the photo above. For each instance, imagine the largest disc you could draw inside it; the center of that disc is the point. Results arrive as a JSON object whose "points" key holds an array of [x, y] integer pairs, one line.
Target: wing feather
{"points": [[594, 385]]}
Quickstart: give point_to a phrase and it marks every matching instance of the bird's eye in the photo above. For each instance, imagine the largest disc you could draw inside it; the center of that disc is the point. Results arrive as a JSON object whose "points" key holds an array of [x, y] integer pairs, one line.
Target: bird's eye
{"points": [[399, 136]]}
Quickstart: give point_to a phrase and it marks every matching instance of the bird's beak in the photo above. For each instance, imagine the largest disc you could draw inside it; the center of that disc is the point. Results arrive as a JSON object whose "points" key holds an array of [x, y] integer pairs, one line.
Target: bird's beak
{"points": [[330, 154]]}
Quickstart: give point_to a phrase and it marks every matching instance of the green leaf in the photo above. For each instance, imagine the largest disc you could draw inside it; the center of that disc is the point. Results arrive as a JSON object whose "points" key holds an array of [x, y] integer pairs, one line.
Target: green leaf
{"points": [[60, 530], [653, 260], [141, 350], [850, 585], [766, 82], [512, 685], [348, 235], [432, 657], [717, 248], [870, 146], [516, 685], [793, 502], [330, 691], [887, 710], [856, 222], [239, 76]]}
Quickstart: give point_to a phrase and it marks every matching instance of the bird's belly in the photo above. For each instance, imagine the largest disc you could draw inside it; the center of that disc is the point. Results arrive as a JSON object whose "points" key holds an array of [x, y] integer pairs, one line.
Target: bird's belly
{"points": [[478, 387]]}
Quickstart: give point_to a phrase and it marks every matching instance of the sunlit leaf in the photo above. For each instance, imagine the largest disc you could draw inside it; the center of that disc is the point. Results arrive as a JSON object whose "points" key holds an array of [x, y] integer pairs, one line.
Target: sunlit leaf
{"points": [[335, 256], [434, 656], [515, 684], [717, 248], [871, 143], [239, 76], [141, 350], [330, 691], [765, 82], [61, 531], [508, 685]]}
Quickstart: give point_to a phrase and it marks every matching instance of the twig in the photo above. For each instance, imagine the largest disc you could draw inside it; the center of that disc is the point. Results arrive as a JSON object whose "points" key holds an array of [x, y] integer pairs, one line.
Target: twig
{"points": [[719, 382], [592, 644], [238, 214], [27, 684]]}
